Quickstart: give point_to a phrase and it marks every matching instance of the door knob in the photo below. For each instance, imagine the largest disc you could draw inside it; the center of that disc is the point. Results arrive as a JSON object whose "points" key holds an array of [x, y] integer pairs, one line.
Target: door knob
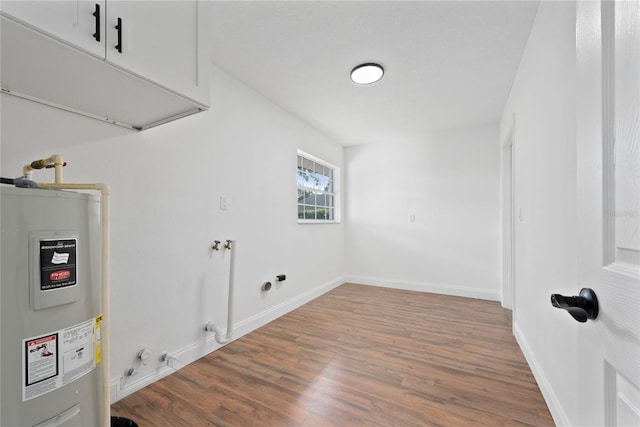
{"points": [[581, 307]]}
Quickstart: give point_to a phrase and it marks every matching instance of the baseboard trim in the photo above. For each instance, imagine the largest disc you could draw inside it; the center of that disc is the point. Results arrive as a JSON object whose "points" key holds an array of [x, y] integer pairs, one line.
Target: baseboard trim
{"points": [[558, 414], [434, 288], [193, 352], [283, 308]]}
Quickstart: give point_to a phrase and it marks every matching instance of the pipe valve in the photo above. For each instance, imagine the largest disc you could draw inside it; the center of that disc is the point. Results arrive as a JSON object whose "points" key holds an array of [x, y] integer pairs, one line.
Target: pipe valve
{"points": [[216, 245], [227, 245]]}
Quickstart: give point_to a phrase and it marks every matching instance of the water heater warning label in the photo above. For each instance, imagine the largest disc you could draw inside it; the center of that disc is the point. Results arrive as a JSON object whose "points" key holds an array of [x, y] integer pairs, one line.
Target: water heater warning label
{"points": [[54, 360], [57, 263], [42, 358]]}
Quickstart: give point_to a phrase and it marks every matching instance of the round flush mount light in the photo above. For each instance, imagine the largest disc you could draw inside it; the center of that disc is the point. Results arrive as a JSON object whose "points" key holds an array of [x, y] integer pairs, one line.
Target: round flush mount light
{"points": [[365, 74]]}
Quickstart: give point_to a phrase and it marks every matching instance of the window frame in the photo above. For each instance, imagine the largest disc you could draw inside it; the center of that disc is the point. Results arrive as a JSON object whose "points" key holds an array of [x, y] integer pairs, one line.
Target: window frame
{"points": [[336, 190]]}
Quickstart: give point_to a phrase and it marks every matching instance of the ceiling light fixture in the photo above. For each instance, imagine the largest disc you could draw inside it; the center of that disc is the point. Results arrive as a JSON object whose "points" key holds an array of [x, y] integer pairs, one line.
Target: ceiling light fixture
{"points": [[365, 74]]}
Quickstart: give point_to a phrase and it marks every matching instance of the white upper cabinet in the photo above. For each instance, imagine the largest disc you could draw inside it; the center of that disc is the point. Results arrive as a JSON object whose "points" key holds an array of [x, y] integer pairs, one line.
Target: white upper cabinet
{"points": [[154, 56], [159, 40], [80, 23]]}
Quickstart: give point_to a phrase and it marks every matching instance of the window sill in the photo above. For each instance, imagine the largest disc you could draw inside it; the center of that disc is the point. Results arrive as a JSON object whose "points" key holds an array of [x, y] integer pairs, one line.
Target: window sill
{"points": [[315, 221]]}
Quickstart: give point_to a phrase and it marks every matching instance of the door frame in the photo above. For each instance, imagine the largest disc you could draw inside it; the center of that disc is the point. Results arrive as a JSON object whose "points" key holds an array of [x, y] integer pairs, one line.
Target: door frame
{"points": [[508, 219]]}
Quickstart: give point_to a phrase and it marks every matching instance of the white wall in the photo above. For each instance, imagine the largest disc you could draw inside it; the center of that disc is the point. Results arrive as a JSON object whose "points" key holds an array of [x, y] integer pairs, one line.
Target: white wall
{"points": [[450, 182], [166, 183], [543, 101]]}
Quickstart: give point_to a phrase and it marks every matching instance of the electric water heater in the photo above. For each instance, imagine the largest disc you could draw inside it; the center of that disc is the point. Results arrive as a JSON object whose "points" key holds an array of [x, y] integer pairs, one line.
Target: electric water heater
{"points": [[50, 300]]}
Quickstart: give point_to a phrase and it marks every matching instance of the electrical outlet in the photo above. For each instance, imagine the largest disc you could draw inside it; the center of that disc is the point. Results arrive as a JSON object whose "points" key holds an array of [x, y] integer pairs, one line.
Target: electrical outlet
{"points": [[224, 203]]}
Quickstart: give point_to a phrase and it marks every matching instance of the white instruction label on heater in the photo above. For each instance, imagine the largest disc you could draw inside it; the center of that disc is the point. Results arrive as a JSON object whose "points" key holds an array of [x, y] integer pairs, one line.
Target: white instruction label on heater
{"points": [[78, 344], [58, 358]]}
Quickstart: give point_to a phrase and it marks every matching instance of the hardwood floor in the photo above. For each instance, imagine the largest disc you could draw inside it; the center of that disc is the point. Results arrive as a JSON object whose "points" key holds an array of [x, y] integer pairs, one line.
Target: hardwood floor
{"points": [[357, 356]]}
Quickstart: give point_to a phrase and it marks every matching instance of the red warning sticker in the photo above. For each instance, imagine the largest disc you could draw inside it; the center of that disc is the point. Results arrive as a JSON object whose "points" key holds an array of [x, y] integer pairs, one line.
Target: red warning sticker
{"points": [[59, 275]]}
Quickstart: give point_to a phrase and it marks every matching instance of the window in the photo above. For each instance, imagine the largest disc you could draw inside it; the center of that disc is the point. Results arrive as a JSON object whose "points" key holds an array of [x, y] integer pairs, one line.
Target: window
{"points": [[317, 190]]}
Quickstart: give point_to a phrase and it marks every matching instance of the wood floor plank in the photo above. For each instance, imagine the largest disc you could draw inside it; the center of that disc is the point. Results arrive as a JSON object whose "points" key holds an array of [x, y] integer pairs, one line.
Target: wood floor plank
{"points": [[357, 356]]}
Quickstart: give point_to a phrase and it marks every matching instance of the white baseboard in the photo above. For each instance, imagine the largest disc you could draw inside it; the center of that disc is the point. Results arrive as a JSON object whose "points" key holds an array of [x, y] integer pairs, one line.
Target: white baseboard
{"points": [[553, 403], [193, 352], [434, 288]]}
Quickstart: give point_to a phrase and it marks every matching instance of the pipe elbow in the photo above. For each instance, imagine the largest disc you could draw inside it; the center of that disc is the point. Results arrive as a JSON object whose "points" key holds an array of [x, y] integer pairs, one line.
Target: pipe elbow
{"points": [[217, 333], [104, 189], [222, 340], [27, 172], [56, 159]]}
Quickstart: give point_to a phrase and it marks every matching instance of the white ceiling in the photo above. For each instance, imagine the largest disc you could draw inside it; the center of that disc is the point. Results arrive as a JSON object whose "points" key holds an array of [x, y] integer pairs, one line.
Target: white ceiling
{"points": [[447, 63]]}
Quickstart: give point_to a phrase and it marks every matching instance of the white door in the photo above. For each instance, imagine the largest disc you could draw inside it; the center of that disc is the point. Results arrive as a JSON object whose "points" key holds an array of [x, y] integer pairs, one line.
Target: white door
{"points": [[79, 22], [608, 149], [160, 40]]}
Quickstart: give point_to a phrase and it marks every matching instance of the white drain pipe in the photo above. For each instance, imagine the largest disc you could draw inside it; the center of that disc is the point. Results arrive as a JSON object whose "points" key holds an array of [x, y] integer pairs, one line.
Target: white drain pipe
{"points": [[211, 327]]}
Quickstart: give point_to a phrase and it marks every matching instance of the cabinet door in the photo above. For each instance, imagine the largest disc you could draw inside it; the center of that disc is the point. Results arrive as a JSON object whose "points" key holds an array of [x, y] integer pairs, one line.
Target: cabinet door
{"points": [[77, 22], [163, 41]]}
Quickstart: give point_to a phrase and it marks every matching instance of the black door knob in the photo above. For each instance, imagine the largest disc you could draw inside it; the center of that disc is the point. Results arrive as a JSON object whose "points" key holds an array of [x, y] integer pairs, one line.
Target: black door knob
{"points": [[581, 307]]}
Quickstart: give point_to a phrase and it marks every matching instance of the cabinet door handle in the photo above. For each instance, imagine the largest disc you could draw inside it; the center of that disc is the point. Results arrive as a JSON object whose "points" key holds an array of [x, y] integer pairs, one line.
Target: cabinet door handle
{"points": [[96, 13], [119, 28]]}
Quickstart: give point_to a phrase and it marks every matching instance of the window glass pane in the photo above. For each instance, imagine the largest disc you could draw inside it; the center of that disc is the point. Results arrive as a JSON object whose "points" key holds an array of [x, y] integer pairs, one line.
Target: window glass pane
{"points": [[300, 211], [324, 180], [309, 213], [318, 199], [302, 177], [309, 198], [330, 214], [307, 165], [321, 182], [302, 194], [307, 178]]}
